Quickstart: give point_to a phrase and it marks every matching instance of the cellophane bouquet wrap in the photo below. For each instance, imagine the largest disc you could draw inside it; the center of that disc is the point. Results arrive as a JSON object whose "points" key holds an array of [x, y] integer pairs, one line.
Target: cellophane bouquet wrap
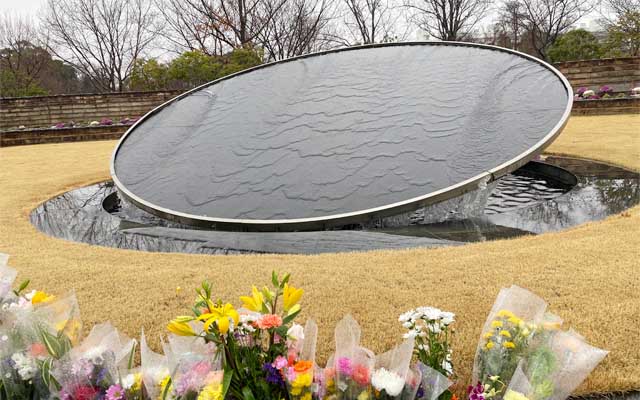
{"points": [[523, 352], [154, 370], [36, 329], [391, 373], [195, 368], [555, 368], [300, 367], [348, 372], [93, 369]]}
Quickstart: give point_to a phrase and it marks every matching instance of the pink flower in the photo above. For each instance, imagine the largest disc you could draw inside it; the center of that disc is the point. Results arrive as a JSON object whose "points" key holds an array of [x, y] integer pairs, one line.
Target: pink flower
{"points": [[344, 366], [361, 375], [280, 362], [115, 392], [269, 321], [38, 350], [329, 373]]}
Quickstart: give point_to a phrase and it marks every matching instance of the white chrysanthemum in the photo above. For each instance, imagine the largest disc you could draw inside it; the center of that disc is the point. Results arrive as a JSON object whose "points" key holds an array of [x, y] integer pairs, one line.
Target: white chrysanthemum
{"points": [[95, 355], [25, 366], [128, 381], [447, 318], [388, 381], [431, 313], [410, 335], [406, 316]]}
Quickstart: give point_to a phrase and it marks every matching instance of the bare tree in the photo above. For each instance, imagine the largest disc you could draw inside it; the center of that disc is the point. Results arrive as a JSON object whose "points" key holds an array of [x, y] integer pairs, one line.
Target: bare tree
{"points": [[448, 19], [22, 50], [100, 38], [235, 23], [512, 22], [299, 27], [546, 20], [187, 28], [369, 21]]}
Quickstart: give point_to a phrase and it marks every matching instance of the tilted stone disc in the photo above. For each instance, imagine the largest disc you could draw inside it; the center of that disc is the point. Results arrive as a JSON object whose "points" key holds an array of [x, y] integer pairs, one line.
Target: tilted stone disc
{"points": [[341, 136]]}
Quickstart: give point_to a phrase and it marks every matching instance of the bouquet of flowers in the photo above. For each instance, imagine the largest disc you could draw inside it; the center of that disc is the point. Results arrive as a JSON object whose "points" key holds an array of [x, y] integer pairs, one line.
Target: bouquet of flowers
{"points": [[36, 329], [195, 368], [348, 372], [154, 372], [249, 340], [91, 370], [522, 352], [391, 378], [431, 330]]}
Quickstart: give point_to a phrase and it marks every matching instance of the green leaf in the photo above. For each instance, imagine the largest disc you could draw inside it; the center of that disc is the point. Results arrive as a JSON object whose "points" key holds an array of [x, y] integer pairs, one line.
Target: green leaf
{"points": [[290, 317], [165, 392], [226, 381], [45, 371], [247, 394], [132, 355], [23, 285], [285, 280], [274, 278]]}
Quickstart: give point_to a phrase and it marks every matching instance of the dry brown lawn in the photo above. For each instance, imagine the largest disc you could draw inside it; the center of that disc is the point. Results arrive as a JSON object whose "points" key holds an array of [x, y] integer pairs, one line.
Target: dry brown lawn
{"points": [[590, 275]]}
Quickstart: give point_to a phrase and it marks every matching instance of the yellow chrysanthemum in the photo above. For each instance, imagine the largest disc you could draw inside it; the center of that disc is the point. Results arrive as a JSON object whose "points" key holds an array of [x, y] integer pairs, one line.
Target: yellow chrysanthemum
{"points": [[253, 302], [513, 395], [489, 345], [506, 334], [41, 297], [515, 321], [364, 395], [211, 392], [222, 316], [488, 335], [509, 345], [302, 381], [291, 298], [496, 324], [180, 326], [505, 314]]}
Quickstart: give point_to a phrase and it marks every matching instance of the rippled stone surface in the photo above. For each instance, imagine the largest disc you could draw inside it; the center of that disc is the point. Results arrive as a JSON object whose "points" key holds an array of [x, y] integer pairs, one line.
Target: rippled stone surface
{"points": [[341, 132]]}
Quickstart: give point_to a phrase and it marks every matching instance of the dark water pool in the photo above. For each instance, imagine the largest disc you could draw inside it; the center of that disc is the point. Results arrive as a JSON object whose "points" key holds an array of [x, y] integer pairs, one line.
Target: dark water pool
{"points": [[527, 202]]}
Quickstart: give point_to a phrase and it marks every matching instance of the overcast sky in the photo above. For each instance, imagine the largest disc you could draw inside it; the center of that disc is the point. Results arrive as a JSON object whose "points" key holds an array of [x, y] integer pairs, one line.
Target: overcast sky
{"points": [[30, 7]]}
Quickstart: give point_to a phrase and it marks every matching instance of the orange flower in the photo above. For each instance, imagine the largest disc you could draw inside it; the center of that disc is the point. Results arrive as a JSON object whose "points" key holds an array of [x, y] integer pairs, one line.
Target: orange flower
{"points": [[302, 366], [269, 321], [454, 397]]}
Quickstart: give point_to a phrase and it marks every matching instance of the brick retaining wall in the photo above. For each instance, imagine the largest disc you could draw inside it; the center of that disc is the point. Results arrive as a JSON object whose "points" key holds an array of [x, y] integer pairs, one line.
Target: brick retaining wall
{"points": [[43, 111], [620, 73], [39, 136]]}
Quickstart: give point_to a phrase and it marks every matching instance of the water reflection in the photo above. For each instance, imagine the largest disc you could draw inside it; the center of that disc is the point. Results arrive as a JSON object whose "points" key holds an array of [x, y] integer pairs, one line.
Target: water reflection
{"points": [[519, 204]]}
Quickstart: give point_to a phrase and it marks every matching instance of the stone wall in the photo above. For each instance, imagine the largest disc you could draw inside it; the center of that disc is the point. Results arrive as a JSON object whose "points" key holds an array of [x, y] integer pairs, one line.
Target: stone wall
{"points": [[44, 111], [621, 74], [606, 107], [39, 136]]}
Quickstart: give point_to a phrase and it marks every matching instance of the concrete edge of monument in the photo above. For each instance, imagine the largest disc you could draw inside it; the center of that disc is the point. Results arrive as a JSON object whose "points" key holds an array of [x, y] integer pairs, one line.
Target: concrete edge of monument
{"points": [[371, 214]]}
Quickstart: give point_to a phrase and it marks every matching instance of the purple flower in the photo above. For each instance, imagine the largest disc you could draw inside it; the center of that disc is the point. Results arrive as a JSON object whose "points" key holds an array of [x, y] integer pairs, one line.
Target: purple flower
{"points": [[115, 392], [605, 90], [594, 97], [106, 121], [420, 392], [273, 375], [581, 90], [59, 125], [476, 392], [344, 366]]}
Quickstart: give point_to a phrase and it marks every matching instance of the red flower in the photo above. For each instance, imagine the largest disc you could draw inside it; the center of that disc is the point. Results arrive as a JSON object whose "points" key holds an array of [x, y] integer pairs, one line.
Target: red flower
{"points": [[85, 393]]}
